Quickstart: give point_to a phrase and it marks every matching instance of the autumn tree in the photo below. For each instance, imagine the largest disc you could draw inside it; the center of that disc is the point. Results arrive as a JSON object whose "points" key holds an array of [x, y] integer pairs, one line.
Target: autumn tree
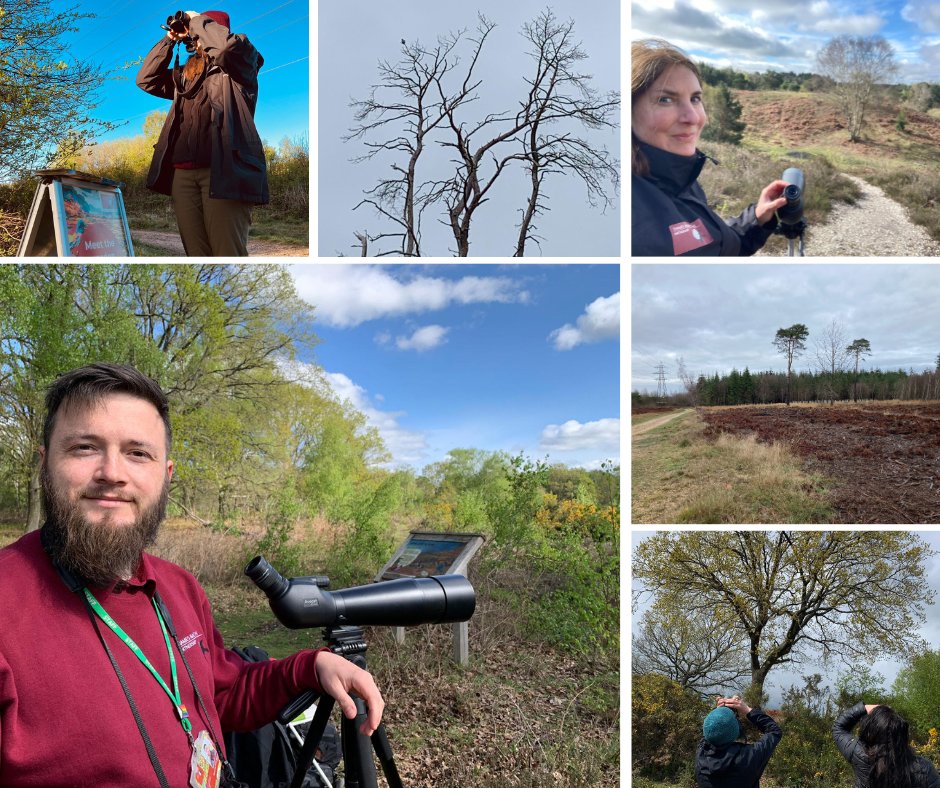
{"points": [[793, 595], [46, 94], [427, 98], [858, 348], [791, 342], [692, 652], [857, 65]]}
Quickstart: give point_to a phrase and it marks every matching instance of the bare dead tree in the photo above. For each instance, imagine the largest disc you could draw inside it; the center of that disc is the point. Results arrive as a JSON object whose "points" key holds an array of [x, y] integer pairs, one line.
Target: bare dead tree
{"points": [[417, 105], [832, 356], [559, 94], [540, 134]]}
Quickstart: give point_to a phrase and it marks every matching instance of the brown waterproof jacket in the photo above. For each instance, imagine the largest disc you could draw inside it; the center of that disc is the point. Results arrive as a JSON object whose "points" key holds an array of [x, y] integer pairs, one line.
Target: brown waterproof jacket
{"points": [[238, 170]]}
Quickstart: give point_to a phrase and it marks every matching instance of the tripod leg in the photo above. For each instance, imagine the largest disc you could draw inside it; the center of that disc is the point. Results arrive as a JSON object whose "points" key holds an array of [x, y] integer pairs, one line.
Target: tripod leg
{"points": [[312, 739], [357, 754], [383, 751]]}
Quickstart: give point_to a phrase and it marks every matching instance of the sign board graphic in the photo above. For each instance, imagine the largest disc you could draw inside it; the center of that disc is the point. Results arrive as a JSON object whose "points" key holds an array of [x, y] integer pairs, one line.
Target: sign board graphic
{"points": [[76, 215]]}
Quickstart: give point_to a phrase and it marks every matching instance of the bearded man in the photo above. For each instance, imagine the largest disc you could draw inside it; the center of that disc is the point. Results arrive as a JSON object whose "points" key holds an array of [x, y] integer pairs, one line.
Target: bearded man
{"points": [[209, 157], [112, 671]]}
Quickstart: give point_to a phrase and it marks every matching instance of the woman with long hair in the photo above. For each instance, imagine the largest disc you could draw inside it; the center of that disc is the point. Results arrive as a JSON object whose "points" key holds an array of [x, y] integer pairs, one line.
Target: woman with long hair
{"points": [[671, 215], [881, 755]]}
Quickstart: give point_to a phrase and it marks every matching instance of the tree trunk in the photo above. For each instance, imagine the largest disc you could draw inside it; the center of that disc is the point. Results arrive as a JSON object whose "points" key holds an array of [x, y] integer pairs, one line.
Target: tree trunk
{"points": [[34, 512]]}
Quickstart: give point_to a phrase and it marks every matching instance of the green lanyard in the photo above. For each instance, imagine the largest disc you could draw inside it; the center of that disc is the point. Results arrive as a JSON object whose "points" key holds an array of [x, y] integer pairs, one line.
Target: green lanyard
{"points": [[174, 696]]}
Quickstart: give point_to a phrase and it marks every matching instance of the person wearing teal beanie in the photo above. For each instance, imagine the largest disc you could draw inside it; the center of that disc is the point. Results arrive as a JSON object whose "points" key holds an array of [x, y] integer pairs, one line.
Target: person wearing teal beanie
{"points": [[723, 759]]}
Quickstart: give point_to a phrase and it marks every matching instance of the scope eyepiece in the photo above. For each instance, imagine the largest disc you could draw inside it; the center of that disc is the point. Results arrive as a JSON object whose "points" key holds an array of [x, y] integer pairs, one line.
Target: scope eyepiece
{"points": [[792, 212], [267, 578]]}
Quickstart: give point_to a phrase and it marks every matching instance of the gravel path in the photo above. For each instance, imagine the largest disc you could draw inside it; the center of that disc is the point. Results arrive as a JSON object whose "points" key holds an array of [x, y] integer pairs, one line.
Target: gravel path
{"points": [[875, 226]]}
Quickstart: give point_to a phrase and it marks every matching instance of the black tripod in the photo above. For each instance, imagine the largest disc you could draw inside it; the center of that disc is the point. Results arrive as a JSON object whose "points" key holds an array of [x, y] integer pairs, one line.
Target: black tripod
{"points": [[348, 642], [792, 232]]}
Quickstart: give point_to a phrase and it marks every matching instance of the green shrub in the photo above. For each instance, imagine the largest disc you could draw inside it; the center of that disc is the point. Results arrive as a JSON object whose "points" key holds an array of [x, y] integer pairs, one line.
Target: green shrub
{"points": [[666, 727]]}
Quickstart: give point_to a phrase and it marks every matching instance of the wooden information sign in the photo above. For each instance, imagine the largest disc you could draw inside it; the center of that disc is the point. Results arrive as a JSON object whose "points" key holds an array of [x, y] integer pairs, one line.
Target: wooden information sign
{"points": [[76, 215]]}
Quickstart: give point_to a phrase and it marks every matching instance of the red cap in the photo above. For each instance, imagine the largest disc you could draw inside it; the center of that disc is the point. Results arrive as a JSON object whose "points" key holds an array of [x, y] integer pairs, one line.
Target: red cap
{"points": [[219, 17]]}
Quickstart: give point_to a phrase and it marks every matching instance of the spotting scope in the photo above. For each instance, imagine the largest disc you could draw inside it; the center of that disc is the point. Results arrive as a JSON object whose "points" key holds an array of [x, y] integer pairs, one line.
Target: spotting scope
{"points": [[302, 602], [792, 212]]}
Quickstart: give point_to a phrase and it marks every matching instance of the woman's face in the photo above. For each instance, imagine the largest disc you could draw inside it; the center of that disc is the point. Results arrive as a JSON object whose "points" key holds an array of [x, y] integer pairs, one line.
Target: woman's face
{"points": [[670, 115]]}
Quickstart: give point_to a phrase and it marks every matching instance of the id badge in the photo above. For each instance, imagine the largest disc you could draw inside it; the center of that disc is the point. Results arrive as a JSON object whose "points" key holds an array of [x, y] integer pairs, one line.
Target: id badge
{"points": [[205, 767]]}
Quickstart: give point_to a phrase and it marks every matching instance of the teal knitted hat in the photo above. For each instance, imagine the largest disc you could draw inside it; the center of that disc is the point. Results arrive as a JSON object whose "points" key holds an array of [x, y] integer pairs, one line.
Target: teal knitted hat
{"points": [[721, 726]]}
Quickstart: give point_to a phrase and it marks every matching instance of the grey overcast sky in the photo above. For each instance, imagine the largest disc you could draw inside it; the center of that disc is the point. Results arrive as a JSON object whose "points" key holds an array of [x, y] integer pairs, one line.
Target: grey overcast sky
{"points": [[781, 678], [354, 37], [716, 317]]}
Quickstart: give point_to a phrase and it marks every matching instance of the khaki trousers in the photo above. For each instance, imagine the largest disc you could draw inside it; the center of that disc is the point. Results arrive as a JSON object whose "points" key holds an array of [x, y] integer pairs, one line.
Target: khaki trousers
{"points": [[207, 226]]}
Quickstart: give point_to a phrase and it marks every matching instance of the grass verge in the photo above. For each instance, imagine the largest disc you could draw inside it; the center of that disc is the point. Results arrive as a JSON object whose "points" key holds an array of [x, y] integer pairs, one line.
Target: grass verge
{"points": [[678, 476]]}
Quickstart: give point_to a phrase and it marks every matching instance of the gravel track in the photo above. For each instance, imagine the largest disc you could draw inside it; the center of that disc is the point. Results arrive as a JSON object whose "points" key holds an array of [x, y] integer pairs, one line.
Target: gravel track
{"points": [[876, 226]]}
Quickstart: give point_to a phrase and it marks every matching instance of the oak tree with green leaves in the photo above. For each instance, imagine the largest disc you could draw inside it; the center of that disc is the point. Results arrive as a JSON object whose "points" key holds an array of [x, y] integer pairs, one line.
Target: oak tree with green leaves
{"points": [[794, 595]]}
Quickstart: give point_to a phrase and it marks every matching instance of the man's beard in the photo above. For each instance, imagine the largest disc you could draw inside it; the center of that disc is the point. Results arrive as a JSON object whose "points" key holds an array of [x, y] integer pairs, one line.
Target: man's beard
{"points": [[101, 553]]}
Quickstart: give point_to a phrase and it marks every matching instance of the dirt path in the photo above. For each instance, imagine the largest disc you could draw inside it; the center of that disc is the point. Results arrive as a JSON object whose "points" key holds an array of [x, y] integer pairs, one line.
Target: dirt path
{"points": [[171, 242], [875, 226], [652, 424]]}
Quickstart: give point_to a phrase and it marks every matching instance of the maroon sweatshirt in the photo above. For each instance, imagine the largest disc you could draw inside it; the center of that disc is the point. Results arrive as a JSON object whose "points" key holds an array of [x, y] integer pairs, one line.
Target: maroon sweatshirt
{"points": [[64, 719]]}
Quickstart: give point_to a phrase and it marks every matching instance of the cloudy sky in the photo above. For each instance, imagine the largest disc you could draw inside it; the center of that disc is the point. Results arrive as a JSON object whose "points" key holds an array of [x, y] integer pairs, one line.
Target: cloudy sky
{"points": [[716, 317], [495, 357], [781, 35], [781, 678], [354, 37]]}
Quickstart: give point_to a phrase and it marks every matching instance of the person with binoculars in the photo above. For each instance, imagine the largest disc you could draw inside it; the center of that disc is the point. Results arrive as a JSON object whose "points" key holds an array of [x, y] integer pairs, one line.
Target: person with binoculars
{"points": [[671, 215], [724, 759], [209, 157], [112, 671]]}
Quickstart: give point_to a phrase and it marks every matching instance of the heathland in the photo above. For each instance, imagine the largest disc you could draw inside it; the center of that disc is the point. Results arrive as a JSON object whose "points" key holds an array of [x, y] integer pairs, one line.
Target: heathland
{"points": [[898, 152]]}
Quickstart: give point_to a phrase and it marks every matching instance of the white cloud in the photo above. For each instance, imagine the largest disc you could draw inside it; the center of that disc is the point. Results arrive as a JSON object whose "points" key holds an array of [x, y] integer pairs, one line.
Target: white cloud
{"points": [[406, 446], [923, 13], [601, 320], [425, 338], [598, 436], [348, 295]]}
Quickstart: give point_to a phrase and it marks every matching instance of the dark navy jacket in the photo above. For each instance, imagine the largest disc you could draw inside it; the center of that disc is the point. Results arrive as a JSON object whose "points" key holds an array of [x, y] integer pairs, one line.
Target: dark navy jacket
{"points": [[671, 215], [737, 765]]}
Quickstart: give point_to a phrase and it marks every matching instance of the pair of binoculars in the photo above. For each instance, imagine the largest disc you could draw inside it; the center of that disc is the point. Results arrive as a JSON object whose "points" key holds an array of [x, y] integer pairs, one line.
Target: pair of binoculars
{"points": [[179, 24]]}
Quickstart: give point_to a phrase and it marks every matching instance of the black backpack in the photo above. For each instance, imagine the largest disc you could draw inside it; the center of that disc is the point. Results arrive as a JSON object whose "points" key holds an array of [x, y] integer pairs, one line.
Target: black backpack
{"points": [[267, 757]]}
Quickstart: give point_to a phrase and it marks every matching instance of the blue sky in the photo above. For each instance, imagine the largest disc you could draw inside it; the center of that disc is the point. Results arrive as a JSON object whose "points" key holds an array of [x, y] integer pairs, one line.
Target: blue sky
{"points": [[125, 30], [495, 357], [354, 37], [782, 35]]}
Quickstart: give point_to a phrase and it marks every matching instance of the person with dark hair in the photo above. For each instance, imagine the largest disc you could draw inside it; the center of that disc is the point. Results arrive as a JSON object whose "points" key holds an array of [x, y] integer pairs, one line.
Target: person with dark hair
{"points": [[209, 157], [724, 759], [881, 756], [671, 215], [112, 671]]}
